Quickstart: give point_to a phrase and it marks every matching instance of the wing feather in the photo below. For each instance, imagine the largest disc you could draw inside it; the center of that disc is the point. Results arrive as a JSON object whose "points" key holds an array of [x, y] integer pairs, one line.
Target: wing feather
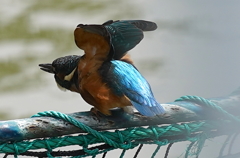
{"points": [[124, 78], [126, 34]]}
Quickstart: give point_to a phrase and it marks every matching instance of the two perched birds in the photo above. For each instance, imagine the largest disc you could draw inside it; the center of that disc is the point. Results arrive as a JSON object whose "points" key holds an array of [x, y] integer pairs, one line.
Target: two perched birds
{"points": [[105, 75]]}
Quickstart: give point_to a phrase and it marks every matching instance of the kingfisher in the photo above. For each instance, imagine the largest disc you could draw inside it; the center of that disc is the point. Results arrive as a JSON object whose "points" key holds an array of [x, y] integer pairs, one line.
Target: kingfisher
{"points": [[105, 76]]}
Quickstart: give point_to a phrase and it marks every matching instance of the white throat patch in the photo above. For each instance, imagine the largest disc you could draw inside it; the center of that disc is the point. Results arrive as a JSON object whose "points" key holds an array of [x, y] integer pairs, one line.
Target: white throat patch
{"points": [[69, 77]]}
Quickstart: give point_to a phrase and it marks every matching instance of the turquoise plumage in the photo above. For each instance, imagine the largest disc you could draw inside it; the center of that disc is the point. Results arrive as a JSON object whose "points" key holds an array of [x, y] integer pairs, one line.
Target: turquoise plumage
{"points": [[124, 79]]}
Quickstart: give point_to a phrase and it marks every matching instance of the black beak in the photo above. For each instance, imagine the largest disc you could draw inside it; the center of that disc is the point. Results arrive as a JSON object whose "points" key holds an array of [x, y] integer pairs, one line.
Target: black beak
{"points": [[47, 68]]}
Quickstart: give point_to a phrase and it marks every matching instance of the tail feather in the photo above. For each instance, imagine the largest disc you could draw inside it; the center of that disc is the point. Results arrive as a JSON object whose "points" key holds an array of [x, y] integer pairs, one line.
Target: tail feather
{"points": [[148, 110]]}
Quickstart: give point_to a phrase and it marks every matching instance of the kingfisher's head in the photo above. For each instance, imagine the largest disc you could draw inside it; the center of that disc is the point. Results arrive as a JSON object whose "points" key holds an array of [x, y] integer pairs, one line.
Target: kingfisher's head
{"points": [[64, 69]]}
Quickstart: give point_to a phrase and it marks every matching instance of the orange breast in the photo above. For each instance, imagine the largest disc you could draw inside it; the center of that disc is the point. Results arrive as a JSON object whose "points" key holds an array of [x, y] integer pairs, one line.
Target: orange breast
{"points": [[100, 96], [93, 90], [96, 92]]}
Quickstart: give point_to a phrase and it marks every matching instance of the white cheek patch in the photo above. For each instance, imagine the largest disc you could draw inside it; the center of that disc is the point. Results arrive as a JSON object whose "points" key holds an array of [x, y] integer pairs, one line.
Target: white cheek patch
{"points": [[69, 77]]}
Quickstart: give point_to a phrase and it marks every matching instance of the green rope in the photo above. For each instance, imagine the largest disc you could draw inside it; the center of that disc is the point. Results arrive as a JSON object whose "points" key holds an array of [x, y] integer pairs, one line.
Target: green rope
{"points": [[80, 125], [123, 153], [214, 107], [231, 143], [128, 135], [224, 145], [209, 104], [155, 152], [195, 132], [188, 149]]}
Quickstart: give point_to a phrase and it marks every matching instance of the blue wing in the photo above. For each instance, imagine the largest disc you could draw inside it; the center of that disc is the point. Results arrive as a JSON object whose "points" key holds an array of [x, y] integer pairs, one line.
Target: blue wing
{"points": [[126, 34], [126, 80]]}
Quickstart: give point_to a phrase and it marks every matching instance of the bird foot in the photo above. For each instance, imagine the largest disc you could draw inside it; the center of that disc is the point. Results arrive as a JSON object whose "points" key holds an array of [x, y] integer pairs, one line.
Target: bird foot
{"points": [[96, 113]]}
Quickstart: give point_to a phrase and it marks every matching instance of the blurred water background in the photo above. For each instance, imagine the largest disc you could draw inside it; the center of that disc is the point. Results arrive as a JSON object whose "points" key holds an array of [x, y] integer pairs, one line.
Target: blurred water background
{"points": [[194, 51]]}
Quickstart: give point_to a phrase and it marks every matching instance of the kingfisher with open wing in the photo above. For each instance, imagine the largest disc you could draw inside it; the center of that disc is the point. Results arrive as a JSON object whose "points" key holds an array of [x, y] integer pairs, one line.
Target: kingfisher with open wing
{"points": [[105, 76]]}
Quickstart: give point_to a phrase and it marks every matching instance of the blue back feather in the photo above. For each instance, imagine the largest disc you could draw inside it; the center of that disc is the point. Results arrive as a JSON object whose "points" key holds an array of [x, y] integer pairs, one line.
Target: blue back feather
{"points": [[127, 80]]}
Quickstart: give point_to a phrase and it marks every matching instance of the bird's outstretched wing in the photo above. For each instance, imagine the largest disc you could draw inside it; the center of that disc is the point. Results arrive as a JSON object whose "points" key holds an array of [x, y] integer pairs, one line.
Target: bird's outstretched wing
{"points": [[121, 35], [126, 34], [124, 79]]}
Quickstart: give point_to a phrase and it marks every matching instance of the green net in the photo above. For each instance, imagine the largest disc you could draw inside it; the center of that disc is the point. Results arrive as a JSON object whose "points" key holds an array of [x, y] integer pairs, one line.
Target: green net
{"points": [[94, 142]]}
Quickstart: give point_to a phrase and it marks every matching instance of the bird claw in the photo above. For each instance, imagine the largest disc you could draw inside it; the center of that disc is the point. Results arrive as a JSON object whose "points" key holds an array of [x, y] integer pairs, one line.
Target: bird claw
{"points": [[96, 113]]}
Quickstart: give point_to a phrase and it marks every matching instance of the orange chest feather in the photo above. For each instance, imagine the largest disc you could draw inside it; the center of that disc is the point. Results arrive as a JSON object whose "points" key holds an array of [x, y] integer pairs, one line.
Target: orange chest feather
{"points": [[90, 79], [98, 94], [94, 90]]}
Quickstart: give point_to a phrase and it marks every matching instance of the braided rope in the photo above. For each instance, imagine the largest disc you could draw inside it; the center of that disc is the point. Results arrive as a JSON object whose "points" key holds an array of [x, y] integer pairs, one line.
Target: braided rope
{"points": [[196, 132], [208, 104]]}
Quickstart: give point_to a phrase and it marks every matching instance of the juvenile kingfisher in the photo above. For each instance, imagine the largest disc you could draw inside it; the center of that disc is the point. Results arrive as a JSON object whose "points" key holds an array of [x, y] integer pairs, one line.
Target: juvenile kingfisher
{"points": [[104, 75]]}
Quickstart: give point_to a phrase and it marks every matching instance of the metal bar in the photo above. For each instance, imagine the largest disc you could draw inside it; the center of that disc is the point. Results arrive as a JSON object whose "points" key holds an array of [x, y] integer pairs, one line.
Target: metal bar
{"points": [[176, 112]]}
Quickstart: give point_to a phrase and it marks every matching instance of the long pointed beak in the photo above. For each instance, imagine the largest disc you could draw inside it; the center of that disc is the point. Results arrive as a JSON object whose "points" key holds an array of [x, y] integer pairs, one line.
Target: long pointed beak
{"points": [[47, 68]]}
